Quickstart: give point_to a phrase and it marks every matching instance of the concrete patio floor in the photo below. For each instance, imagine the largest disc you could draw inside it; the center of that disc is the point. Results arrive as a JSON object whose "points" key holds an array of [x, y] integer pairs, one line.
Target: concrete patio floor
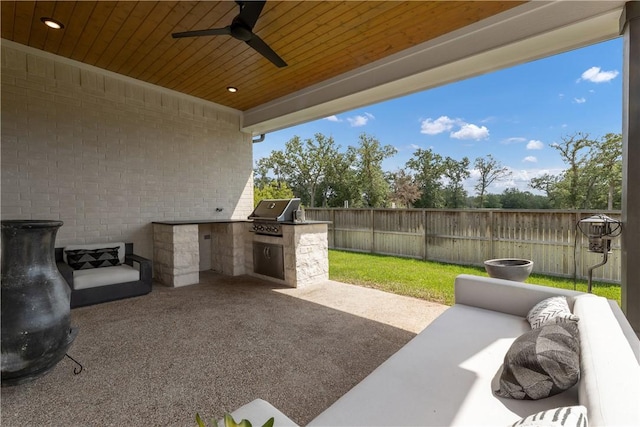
{"points": [[212, 347]]}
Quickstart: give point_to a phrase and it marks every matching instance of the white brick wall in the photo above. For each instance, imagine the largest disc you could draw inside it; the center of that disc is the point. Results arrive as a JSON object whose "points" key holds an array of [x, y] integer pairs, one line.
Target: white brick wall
{"points": [[108, 155]]}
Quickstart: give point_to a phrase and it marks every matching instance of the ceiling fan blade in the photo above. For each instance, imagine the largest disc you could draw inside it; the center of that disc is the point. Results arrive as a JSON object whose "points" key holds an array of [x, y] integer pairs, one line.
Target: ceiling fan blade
{"points": [[210, 32], [262, 48], [250, 12]]}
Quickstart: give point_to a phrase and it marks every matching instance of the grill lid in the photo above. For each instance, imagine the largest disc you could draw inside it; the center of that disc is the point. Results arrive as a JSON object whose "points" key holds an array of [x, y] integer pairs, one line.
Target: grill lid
{"points": [[275, 210]]}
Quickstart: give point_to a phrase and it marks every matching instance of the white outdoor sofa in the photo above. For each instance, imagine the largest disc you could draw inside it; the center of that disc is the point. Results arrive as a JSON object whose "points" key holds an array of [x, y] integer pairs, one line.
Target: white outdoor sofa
{"points": [[132, 276], [444, 376]]}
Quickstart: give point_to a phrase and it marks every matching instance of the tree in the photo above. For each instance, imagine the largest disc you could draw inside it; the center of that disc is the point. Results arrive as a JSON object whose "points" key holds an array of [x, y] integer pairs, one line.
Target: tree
{"points": [[369, 156], [404, 189], [512, 198], [593, 178], [493, 201], [342, 182], [271, 190], [456, 172], [428, 167], [605, 168], [490, 171], [547, 183], [303, 165], [575, 151], [272, 163]]}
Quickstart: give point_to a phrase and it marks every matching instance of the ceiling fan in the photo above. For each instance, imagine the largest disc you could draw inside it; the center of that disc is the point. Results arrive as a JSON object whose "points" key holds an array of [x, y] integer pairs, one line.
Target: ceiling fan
{"points": [[241, 28]]}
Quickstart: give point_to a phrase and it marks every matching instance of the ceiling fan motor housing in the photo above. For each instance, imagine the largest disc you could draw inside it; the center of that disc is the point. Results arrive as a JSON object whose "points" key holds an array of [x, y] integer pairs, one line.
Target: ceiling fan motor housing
{"points": [[240, 30]]}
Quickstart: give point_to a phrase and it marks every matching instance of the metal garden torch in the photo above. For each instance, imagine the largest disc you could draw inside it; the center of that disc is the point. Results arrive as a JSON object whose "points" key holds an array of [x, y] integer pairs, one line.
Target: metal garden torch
{"points": [[600, 229]]}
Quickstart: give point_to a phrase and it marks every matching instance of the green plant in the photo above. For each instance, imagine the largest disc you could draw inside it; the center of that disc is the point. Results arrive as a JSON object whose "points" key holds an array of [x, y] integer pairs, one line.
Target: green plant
{"points": [[230, 422]]}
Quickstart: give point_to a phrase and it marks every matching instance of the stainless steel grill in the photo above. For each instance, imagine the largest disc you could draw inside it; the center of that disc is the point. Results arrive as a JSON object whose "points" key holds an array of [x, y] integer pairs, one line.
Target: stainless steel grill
{"points": [[270, 212]]}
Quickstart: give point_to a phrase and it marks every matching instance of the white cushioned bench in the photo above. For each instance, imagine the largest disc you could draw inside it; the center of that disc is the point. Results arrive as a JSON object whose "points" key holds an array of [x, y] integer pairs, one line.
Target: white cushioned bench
{"points": [[445, 376]]}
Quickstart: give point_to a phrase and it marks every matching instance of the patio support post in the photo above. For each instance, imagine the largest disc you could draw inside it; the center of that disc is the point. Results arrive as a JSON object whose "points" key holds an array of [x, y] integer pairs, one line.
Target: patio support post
{"points": [[630, 30]]}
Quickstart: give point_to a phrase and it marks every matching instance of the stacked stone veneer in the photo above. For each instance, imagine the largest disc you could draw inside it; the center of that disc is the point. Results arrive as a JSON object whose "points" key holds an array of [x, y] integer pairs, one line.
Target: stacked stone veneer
{"points": [[176, 254], [109, 155], [228, 247], [308, 260], [306, 254]]}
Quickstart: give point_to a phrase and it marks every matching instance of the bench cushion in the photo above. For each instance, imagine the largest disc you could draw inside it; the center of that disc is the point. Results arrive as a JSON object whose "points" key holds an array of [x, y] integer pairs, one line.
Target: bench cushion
{"points": [[443, 377], [84, 279]]}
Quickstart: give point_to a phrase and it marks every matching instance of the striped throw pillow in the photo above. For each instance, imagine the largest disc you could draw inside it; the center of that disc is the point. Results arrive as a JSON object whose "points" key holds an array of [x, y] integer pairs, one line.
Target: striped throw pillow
{"points": [[569, 416], [554, 309]]}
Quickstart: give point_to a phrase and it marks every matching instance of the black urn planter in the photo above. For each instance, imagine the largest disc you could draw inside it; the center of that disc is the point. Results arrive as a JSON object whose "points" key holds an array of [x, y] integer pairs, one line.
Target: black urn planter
{"points": [[36, 325]]}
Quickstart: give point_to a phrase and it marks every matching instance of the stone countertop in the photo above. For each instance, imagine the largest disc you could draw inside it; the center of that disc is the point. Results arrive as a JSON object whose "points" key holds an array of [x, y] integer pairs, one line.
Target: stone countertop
{"points": [[228, 221], [309, 222], [200, 221]]}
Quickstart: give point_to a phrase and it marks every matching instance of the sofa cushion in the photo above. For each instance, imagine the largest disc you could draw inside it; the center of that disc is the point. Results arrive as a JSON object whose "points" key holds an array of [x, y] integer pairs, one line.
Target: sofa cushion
{"points": [[553, 308], [83, 279], [610, 370], [571, 416], [541, 362], [83, 259]]}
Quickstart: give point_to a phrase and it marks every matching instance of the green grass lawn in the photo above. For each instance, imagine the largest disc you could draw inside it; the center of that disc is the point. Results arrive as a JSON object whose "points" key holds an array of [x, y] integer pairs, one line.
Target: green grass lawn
{"points": [[429, 280]]}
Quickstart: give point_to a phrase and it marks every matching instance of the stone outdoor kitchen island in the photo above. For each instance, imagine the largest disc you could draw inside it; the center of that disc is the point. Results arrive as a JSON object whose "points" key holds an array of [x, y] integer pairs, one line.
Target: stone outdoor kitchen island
{"points": [[181, 249]]}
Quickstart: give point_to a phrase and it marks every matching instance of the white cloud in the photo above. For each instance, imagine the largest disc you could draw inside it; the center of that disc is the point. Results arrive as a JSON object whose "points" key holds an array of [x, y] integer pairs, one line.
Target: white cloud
{"points": [[414, 146], [534, 144], [445, 124], [471, 131], [514, 140], [360, 120], [439, 125], [333, 119], [596, 75], [530, 159], [579, 100], [474, 174]]}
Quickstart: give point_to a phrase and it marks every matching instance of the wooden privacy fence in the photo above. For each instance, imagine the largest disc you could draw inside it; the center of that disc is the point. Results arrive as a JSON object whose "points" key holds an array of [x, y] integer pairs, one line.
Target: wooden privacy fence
{"points": [[549, 238]]}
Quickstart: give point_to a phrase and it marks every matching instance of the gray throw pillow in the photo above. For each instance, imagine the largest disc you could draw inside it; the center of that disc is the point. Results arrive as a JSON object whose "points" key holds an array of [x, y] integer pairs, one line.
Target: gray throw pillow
{"points": [[541, 362]]}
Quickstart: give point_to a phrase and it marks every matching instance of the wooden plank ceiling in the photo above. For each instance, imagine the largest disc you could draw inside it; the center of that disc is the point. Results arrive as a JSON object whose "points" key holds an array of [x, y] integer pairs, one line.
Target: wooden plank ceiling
{"points": [[318, 39]]}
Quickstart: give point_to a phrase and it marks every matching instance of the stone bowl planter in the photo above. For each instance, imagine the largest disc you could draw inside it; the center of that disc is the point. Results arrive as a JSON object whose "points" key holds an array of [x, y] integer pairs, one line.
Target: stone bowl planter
{"points": [[509, 268]]}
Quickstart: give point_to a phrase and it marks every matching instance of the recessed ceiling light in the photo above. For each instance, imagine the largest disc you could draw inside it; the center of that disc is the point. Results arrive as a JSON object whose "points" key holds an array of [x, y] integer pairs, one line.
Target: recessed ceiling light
{"points": [[52, 23], [232, 89]]}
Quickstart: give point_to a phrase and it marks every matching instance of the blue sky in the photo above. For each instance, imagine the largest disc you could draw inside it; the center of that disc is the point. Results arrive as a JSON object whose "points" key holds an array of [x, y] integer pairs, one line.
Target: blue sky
{"points": [[514, 114]]}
